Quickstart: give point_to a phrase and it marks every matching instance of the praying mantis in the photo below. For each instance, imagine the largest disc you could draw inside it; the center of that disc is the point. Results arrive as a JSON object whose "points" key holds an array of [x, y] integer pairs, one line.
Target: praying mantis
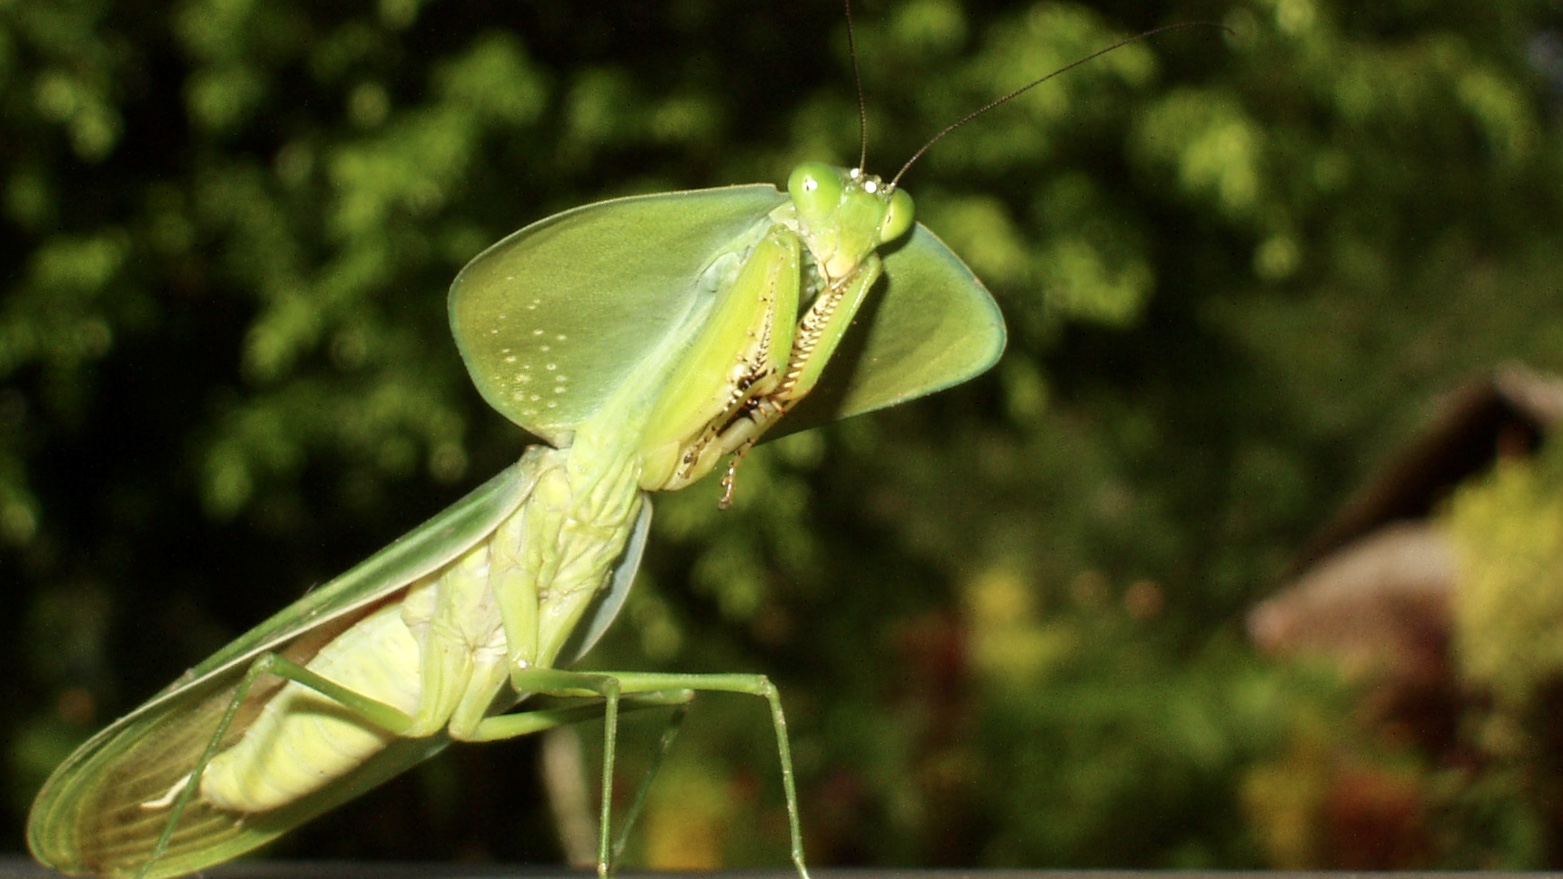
{"points": [[646, 341]]}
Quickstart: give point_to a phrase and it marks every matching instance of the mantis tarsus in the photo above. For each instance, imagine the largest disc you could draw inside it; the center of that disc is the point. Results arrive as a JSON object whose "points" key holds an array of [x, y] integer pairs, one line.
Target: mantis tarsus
{"points": [[645, 340]]}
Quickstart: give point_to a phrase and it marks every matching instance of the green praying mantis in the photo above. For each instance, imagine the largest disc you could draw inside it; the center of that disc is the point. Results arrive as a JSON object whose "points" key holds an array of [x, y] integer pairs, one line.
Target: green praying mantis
{"points": [[645, 340]]}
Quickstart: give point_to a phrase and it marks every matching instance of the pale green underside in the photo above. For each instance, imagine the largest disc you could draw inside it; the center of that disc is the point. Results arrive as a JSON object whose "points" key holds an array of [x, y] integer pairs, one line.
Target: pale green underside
{"points": [[88, 817]]}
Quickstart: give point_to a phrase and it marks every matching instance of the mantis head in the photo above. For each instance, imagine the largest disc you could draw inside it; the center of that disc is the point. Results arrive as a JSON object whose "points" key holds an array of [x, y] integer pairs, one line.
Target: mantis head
{"points": [[844, 215]]}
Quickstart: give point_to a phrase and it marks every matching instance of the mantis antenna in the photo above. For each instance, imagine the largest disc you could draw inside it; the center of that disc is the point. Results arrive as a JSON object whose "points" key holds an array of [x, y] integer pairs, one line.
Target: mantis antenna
{"points": [[996, 102], [857, 84]]}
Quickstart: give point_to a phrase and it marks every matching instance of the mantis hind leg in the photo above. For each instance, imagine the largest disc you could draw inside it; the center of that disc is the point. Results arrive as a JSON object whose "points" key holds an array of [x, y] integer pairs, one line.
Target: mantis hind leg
{"points": [[179, 797], [372, 712], [611, 687], [187, 789]]}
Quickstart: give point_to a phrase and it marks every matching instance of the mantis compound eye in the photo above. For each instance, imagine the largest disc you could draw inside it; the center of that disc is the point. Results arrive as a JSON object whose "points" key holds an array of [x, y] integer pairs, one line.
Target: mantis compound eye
{"points": [[898, 217], [816, 189]]}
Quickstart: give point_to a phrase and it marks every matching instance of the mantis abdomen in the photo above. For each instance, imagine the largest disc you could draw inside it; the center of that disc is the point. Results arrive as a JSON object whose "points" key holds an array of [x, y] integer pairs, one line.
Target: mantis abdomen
{"points": [[435, 657], [302, 740]]}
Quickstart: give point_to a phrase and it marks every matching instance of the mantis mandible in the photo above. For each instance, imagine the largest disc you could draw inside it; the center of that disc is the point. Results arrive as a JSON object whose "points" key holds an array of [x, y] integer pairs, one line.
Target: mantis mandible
{"points": [[645, 340]]}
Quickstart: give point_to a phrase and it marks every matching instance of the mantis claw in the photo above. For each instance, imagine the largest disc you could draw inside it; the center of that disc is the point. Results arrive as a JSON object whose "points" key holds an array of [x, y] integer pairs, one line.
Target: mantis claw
{"points": [[730, 478]]}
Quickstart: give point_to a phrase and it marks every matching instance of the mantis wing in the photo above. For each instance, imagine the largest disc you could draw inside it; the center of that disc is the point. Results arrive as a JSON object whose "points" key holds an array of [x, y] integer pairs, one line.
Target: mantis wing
{"points": [[552, 320], [931, 326], [89, 816], [564, 310]]}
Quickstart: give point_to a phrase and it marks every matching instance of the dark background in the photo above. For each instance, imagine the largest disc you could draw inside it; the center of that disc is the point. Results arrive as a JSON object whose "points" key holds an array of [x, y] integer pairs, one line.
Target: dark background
{"points": [[1007, 620]]}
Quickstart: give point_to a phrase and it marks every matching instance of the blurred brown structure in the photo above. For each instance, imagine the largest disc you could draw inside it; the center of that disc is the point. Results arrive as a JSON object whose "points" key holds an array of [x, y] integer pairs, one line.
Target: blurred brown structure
{"points": [[1371, 591], [1501, 414]]}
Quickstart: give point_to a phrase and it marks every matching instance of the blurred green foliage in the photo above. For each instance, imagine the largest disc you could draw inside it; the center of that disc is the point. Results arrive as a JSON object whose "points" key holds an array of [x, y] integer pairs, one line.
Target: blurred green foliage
{"points": [[1006, 619], [1507, 529]]}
